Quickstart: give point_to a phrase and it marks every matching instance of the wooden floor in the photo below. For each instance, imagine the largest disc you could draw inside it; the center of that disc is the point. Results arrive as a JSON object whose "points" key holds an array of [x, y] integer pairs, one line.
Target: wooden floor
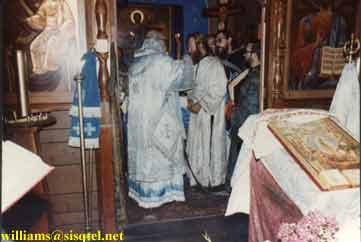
{"points": [[172, 223], [219, 229]]}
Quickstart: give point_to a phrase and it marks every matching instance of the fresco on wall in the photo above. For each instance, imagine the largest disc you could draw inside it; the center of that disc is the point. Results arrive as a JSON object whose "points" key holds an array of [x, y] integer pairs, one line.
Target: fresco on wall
{"points": [[49, 32]]}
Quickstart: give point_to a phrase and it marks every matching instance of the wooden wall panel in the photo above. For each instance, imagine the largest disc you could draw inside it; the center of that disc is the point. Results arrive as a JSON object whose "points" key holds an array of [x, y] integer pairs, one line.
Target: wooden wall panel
{"points": [[62, 120], [58, 154], [72, 202], [67, 179], [54, 136], [62, 219]]}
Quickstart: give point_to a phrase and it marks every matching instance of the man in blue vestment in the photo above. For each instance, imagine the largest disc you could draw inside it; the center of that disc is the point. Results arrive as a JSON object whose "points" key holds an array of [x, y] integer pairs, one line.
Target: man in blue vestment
{"points": [[155, 130]]}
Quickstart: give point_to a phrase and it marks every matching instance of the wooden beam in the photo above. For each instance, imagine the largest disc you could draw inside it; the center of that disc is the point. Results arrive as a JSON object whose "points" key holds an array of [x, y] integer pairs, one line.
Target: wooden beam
{"points": [[105, 177], [105, 174]]}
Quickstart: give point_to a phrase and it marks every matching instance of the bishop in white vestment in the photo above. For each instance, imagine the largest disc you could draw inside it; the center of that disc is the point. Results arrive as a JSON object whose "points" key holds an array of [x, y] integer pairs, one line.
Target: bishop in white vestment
{"points": [[155, 130]]}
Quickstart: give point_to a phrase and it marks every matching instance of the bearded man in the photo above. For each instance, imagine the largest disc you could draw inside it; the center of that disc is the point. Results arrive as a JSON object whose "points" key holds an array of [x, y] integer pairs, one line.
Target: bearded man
{"points": [[232, 59], [211, 44], [206, 144]]}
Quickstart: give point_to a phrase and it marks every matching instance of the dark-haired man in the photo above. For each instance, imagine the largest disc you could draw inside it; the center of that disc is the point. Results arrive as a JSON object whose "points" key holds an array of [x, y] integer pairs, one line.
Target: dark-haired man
{"points": [[245, 96], [232, 59], [206, 145]]}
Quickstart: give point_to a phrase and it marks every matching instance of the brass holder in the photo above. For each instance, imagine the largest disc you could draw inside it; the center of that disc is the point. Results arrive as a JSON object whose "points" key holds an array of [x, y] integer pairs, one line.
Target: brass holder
{"points": [[22, 82], [23, 116], [32, 118], [351, 48], [78, 79]]}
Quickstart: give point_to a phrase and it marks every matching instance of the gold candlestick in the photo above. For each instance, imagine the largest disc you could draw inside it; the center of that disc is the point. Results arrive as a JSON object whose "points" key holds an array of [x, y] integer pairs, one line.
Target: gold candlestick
{"points": [[351, 48], [23, 95], [78, 79]]}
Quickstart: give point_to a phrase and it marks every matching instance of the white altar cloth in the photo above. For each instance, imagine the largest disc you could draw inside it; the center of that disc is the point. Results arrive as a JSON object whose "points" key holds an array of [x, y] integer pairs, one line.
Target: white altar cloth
{"points": [[343, 204], [21, 171]]}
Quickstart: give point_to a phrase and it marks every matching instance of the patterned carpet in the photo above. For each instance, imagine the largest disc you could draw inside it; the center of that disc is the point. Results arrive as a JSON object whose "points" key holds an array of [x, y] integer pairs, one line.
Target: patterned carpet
{"points": [[198, 204]]}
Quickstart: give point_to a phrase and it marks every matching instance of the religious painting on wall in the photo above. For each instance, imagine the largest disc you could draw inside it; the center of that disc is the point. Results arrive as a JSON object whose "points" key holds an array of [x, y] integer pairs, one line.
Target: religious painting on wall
{"points": [[135, 20], [51, 36], [316, 34]]}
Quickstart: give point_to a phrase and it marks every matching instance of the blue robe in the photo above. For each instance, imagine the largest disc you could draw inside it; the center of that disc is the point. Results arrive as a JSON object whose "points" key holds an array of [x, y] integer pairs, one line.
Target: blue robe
{"points": [[155, 130]]}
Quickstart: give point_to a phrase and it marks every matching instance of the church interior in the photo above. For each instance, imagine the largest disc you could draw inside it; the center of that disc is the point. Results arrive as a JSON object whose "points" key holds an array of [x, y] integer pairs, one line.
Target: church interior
{"points": [[181, 120]]}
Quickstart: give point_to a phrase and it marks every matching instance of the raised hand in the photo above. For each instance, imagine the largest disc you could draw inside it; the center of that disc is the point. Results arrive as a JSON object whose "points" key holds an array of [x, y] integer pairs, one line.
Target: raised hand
{"points": [[178, 42], [177, 37]]}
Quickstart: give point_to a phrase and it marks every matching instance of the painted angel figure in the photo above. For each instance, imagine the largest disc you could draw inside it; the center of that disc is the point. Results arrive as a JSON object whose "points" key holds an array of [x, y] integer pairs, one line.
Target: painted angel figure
{"points": [[55, 19]]}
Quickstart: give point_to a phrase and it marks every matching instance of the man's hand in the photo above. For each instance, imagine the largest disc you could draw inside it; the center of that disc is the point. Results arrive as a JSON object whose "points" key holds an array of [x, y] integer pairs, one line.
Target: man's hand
{"points": [[178, 42], [228, 109], [193, 107], [177, 37]]}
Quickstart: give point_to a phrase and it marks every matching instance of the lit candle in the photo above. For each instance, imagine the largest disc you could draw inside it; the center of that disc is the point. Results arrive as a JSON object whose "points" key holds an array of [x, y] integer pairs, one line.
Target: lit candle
{"points": [[24, 111]]}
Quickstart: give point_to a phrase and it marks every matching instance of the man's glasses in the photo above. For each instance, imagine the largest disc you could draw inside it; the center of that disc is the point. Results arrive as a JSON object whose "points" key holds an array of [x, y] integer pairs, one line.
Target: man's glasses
{"points": [[248, 52]]}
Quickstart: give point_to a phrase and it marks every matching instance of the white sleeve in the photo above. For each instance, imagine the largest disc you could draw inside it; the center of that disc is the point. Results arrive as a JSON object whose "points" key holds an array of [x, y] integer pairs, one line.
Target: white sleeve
{"points": [[174, 74]]}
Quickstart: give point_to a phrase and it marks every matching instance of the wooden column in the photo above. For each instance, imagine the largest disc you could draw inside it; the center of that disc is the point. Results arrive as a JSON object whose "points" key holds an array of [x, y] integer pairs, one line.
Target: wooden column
{"points": [[276, 50], [263, 36], [104, 156], [358, 21]]}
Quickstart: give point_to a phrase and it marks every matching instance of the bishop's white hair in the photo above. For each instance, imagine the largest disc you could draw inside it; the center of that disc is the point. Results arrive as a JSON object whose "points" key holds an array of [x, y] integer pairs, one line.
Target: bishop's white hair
{"points": [[154, 34]]}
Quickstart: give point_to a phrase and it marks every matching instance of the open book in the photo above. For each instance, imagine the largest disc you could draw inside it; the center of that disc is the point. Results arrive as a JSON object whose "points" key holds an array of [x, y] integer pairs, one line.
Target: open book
{"points": [[233, 83], [332, 61], [21, 171]]}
